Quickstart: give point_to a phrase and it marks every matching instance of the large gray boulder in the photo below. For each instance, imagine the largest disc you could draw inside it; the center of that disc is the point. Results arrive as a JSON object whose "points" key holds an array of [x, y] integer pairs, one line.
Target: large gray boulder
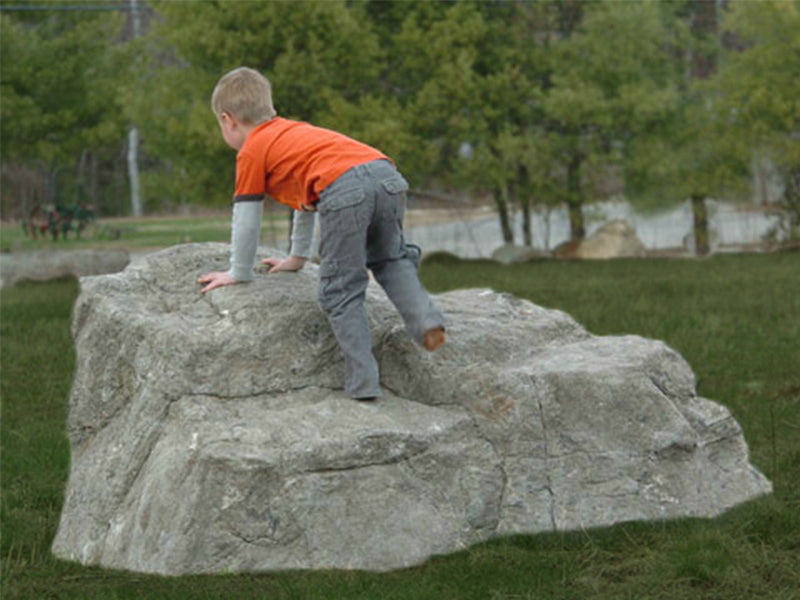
{"points": [[210, 433]]}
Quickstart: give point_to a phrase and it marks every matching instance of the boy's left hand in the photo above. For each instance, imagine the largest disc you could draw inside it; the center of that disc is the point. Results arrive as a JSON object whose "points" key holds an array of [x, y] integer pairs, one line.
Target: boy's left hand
{"points": [[276, 265], [215, 280]]}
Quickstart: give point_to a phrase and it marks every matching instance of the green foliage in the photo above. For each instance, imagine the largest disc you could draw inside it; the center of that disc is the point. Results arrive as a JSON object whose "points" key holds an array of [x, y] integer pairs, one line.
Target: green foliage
{"points": [[56, 86], [759, 95], [759, 90], [613, 73], [535, 102], [188, 162], [615, 81], [303, 48], [446, 109], [747, 111], [387, 130], [61, 126], [312, 52]]}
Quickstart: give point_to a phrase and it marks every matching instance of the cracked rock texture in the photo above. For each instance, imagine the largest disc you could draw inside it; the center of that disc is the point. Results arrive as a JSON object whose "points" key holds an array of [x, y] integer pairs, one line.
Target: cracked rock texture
{"points": [[210, 433]]}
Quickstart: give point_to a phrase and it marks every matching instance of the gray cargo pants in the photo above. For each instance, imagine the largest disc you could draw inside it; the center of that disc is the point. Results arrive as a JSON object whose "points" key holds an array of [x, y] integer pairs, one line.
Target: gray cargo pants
{"points": [[361, 226]]}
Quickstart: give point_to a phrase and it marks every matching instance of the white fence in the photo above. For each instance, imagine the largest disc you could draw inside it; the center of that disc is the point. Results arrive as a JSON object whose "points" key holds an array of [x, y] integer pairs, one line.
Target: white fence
{"points": [[475, 233]]}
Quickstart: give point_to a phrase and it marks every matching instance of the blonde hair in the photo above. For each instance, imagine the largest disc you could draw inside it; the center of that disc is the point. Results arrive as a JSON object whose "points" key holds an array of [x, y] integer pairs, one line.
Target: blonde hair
{"points": [[245, 94]]}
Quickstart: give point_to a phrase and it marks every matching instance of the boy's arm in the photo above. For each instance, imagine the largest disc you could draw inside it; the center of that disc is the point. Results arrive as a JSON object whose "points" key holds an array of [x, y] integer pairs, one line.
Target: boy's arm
{"points": [[303, 224], [245, 232]]}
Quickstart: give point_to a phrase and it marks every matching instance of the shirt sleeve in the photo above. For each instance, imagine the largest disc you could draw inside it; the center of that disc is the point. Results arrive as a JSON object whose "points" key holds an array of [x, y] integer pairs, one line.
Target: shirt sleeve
{"points": [[303, 225], [245, 232], [250, 179]]}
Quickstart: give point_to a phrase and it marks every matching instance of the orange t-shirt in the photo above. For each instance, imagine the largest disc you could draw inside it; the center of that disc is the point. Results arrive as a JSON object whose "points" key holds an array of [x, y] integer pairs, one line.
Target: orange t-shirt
{"points": [[292, 161]]}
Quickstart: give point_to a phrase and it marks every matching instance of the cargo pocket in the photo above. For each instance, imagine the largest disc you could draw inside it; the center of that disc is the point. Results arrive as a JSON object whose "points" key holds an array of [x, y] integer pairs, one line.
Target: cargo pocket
{"points": [[393, 205], [339, 212], [339, 285], [334, 198], [396, 184], [331, 289]]}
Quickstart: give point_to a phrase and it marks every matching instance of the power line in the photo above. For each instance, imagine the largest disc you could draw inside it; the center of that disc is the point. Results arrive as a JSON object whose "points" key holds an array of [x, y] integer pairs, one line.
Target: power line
{"points": [[66, 7]]}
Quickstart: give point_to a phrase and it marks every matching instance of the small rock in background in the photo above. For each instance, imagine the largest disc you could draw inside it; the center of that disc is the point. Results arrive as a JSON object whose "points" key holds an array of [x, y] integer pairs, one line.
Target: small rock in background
{"points": [[514, 253], [615, 239]]}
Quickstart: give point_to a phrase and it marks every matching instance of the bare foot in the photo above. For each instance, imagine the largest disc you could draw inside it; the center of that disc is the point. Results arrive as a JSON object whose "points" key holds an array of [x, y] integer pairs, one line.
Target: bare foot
{"points": [[433, 339]]}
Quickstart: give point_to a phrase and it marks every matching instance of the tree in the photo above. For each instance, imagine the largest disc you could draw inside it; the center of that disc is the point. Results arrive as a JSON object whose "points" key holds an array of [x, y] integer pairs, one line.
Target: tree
{"points": [[759, 92], [58, 123], [464, 92], [312, 52], [738, 97], [133, 131], [515, 153], [612, 80]]}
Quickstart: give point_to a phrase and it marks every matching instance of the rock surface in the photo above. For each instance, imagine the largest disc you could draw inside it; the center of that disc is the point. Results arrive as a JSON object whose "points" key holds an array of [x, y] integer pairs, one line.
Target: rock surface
{"points": [[210, 433], [514, 253], [615, 239], [52, 264]]}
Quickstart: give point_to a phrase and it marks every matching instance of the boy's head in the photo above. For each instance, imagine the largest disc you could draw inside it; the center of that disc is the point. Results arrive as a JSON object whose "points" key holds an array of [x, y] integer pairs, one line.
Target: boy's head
{"points": [[244, 94]]}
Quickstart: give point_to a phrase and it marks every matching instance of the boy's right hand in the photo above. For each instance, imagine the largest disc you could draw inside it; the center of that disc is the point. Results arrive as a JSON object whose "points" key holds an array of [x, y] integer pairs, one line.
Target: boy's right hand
{"points": [[215, 280], [276, 265]]}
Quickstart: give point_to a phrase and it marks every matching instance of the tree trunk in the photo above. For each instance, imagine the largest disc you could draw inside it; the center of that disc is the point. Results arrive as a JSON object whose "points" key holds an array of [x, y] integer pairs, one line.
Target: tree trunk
{"points": [[93, 182], [701, 245], [524, 204], [133, 132], [80, 179], [527, 235], [133, 171], [791, 201], [501, 199], [547, 211], [577, 228]]}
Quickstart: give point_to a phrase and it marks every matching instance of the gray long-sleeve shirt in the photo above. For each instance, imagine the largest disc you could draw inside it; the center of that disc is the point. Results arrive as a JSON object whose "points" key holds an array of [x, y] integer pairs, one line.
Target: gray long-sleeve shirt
{"points": [[245, 230]]}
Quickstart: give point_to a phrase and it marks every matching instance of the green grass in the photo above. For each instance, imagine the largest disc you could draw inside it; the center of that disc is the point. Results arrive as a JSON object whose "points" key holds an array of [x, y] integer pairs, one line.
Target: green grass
{"points": [[152, 232], [736, 319]]}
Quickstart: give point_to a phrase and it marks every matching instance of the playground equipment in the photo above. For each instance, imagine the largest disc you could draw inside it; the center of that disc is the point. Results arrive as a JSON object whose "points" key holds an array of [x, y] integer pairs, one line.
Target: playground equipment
{"points": [[58, 219]]}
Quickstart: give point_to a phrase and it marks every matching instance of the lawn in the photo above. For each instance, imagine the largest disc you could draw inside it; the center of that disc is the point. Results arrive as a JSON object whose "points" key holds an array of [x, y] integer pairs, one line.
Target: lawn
{"points": [[147, 232], [735, 318]]}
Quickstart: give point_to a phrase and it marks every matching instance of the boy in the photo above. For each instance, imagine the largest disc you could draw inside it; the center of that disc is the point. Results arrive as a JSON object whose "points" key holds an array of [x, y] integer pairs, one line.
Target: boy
{"points": [[360, 198]]}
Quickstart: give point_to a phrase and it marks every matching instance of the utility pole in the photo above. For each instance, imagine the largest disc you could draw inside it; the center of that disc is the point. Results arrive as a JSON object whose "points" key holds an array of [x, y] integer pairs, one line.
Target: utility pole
{"points": [[133, 132], [704, 22]]}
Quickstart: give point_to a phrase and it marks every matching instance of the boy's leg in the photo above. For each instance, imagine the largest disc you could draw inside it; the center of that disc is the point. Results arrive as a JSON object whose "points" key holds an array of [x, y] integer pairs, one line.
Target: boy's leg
{"points": [[344, 212], [400, 281], [395, 265]]}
